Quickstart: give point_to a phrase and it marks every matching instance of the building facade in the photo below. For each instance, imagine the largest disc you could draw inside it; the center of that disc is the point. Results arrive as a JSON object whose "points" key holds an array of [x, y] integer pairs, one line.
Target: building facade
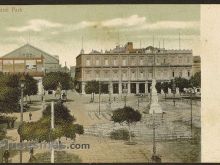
{"points": [[196, 67], [29, 57], [30, 60], [126, 67]]}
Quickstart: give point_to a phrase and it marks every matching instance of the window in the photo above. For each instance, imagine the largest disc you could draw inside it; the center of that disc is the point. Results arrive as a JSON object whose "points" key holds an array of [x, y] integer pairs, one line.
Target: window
{"points": [[150, 74], [115, 74], [124, 62], [97, 75], [87, 62], [132, 75], [188, 60], [114, 62], [188, 73], [158, 60], [180, 60], [141, 75], [106, 61], [164, 60], [173, 74], [124, 75], [97, 62], [180, 74], [141, 61], [132, 61]]}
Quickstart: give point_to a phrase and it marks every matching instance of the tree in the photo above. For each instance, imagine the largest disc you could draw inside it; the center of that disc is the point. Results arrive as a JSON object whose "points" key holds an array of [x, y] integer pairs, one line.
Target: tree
{"points": [[31, 87], [158, 87], [9, 93], [196, 79], [41, 129], [181, 83], [165, 86], [128, 115], [52, 79], [92, 87]]}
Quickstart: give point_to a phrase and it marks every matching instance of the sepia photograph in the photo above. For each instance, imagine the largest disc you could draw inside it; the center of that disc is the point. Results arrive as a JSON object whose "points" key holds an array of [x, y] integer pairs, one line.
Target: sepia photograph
{"points": [[100, 83]]}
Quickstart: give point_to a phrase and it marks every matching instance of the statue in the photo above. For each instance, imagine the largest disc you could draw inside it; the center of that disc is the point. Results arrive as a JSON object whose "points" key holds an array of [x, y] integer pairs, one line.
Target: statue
{"points": [[154, 106]]}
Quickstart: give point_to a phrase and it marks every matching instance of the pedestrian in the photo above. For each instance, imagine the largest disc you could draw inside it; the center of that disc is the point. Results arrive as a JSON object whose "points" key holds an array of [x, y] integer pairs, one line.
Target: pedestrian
{"points": [[6, 156], [30, 115]]}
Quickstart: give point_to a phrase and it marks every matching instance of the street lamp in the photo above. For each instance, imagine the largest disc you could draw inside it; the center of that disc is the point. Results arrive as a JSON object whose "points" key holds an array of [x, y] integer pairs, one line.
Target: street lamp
{"points": [[174, 92], [99, 95], [22, 84], [191, 90]]}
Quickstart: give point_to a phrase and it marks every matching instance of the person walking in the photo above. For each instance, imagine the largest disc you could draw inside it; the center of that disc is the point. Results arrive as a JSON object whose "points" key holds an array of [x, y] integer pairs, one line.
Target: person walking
{"points": [[30, 115], [6, 156]]}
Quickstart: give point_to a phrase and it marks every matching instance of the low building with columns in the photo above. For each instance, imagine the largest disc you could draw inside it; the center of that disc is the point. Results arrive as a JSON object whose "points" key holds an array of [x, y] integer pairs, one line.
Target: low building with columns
{"points": [[30, 60], [130, 68]]}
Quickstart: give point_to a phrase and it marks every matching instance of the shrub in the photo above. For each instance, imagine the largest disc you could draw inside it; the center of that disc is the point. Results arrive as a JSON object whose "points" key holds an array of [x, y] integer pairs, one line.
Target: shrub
{"points": [[120, 134]]}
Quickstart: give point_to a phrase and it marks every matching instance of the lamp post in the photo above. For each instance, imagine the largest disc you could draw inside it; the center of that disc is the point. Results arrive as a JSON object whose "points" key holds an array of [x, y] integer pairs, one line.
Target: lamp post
{"points": [[99, 95], [191, 90], [174, 91], [22, 84]]}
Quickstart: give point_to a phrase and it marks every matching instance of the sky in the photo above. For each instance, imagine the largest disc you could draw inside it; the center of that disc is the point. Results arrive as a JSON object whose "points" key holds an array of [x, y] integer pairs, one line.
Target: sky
{"points": [[59, 29]]}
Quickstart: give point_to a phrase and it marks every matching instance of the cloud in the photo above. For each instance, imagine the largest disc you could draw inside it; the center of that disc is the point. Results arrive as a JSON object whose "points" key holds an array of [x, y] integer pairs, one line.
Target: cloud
{"points": [[124, 22], [132, 23], [36, 25], [170, 25]]}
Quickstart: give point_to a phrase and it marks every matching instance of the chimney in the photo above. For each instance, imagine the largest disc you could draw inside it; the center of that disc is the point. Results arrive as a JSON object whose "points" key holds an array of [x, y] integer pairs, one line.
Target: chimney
{"points": [[129, 46]]}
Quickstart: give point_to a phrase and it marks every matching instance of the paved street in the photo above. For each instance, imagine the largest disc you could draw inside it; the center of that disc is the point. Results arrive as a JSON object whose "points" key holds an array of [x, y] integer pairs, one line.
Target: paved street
{"points": [[97, 127]]}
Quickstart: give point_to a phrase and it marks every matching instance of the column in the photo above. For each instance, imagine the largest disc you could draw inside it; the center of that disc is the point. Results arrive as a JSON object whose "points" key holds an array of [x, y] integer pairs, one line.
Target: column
{"points": [[120, 87], [83, 87], [111, 87], [137, 88], [129, 87], [146, 87]]}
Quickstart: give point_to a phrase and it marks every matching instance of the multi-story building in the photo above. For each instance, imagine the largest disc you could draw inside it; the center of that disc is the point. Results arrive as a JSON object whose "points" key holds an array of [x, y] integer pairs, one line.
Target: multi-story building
{"points": [[126, 67], [196, 67]]}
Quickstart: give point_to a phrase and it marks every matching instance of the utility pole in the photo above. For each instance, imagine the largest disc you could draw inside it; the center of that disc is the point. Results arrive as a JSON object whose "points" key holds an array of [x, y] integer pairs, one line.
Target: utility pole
{"points": [[52, 127], [174, 91], [99, 95], [22, 84], [191, 124], [154, 141]]}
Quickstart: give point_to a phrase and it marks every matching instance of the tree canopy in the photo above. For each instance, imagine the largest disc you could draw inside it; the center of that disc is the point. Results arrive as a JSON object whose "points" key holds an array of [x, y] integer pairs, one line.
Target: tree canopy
{"points": [[196, 79], [165, 86], [126, 114], [9, 93], [182, 83], [31, 87], [41, 129], [52, 79]]}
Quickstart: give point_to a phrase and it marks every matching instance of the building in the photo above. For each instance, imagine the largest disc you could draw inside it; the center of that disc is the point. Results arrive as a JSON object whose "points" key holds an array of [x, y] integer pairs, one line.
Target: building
{"points": [[196, 67], [127, 67], [31, 60]]}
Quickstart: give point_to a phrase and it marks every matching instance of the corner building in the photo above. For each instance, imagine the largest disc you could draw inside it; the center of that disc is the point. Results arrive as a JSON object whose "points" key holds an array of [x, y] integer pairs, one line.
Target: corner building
{"points": [[127, 67]]}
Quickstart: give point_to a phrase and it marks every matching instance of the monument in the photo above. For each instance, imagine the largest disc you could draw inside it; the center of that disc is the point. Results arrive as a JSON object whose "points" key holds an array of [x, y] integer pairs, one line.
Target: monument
{"points": [[154, 105]]}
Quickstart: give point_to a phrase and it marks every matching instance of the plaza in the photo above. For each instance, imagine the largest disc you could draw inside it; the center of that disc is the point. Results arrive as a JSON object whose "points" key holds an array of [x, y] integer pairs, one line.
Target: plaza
{"points": [[173, 133]]}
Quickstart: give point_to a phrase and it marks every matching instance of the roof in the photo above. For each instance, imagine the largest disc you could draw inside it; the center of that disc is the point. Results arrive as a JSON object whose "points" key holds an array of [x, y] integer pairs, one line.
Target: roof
{"points": [[28, 51]]}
